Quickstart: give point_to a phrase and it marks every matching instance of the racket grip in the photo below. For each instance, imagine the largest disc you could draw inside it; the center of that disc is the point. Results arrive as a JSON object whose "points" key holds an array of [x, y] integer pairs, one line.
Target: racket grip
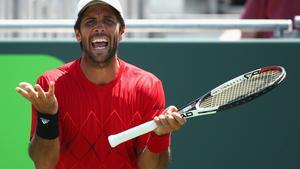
{"points": [[134, 132]]}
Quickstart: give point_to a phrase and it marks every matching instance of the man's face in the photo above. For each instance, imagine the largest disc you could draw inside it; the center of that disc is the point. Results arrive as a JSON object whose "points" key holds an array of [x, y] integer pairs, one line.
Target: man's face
{"points": [[100, 33]]}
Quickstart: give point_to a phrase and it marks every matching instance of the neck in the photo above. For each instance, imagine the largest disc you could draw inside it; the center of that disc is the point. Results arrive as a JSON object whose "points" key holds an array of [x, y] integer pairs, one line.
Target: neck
{"points": [[100, 73]]}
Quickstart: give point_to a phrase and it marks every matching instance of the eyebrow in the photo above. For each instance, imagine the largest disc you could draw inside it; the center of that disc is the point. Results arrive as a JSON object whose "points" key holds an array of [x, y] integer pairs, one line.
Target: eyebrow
{"points": [[105, 16]]}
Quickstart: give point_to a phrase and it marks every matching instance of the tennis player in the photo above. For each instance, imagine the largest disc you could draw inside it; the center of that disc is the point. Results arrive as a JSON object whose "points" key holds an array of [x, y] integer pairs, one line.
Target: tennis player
{"points": [[78, 105]]}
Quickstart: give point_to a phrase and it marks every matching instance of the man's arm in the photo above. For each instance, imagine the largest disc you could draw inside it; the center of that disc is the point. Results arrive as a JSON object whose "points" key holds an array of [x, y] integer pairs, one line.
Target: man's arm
{"points": [[150, 160], [44, 146], [156, 155], [44, 152]]}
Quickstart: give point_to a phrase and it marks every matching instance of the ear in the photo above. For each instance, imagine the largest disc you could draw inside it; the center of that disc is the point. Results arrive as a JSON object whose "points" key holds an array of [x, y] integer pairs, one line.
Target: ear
{"points": [[122, 31], [78, 35]]}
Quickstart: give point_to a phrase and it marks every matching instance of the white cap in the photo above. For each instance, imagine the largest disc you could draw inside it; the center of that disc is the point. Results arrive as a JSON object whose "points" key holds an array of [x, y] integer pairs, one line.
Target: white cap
{"points": [[83, 4]]}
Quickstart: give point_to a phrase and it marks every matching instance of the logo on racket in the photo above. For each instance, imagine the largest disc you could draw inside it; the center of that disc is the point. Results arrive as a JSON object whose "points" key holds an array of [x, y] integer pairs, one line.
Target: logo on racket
{"points": [[251, 74], [187, 114]]}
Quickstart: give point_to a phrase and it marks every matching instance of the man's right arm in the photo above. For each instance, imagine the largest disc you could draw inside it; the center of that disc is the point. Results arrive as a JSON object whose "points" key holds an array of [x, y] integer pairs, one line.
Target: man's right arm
{"points": [[44, 152], [44, 146]]}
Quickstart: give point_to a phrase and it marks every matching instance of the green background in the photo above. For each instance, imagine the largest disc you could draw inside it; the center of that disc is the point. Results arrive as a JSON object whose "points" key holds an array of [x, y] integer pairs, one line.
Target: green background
{"points": [[15, 111], [263, 134]]}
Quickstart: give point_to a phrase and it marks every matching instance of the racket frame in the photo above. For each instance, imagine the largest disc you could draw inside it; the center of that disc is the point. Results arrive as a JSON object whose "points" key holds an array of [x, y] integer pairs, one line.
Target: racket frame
{"points": [[192, 109]]}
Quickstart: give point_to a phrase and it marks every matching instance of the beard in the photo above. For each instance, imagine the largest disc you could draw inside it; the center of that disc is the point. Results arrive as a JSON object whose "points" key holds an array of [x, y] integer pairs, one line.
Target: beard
{"points": [[104, 60], [93, 57]]}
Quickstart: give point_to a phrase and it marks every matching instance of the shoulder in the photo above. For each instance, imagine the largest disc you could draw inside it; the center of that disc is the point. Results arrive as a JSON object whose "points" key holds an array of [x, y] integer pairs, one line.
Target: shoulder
{"points": [[147, 87], [57, 73], [139, 75]]}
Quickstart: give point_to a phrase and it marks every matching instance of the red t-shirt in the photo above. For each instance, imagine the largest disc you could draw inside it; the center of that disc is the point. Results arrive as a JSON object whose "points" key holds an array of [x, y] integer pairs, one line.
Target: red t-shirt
{"points": [[88, 114]]}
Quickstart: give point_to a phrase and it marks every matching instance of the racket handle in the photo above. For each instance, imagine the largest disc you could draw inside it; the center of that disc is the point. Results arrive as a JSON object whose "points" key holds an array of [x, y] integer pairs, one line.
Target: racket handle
{"points": [[134, 132]]}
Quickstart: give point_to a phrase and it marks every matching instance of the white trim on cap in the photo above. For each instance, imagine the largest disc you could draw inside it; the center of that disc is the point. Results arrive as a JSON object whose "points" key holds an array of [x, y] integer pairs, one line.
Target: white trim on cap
{"points": [[82, 4]]}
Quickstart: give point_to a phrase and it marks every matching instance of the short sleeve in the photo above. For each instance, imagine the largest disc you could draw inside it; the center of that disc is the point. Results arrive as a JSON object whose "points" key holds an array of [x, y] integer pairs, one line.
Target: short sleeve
{"points": [[154, 105]]}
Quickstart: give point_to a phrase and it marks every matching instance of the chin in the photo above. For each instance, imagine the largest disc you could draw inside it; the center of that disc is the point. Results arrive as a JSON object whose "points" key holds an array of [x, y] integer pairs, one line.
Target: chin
{"points": [[105, 60]]}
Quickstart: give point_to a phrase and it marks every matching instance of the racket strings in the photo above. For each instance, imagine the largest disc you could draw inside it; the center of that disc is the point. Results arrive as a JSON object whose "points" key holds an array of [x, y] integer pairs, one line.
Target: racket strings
{"points": [[240, 89]]}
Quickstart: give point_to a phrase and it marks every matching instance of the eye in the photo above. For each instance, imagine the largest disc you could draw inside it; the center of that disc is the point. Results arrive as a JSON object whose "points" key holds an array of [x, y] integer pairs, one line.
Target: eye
{"points": [[109, 21], [90, 22]]}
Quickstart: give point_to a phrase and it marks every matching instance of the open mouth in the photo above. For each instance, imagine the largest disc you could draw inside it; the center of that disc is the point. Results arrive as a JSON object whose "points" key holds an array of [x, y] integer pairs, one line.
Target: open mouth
{"points": [[99, 43]]}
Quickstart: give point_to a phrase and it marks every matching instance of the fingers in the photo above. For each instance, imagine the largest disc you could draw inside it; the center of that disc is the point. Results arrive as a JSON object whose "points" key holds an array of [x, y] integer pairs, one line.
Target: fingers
{"points": [[162, 121], [25, 84], [40, 92], [174, 123], [171, 109], [26, 90], [32, 93], [169, 121], [174, 118], [45, 102], [179, 118], [23, 92], [51, 88]]}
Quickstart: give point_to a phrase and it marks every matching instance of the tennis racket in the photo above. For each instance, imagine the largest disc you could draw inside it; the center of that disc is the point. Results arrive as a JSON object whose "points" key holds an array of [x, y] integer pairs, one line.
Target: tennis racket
{"points": [[237, 91]]}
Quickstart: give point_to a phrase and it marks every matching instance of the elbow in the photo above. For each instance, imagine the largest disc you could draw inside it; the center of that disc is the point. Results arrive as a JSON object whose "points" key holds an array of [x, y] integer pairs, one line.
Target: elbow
{"points": [[149, 160], [143, 166], [45, 161]]}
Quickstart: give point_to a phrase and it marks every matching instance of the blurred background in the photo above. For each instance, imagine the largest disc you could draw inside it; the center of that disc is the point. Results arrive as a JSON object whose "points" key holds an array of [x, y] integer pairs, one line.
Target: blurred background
{"points": [[133, 9], [204, 42], [142, 9], [221, 13]]}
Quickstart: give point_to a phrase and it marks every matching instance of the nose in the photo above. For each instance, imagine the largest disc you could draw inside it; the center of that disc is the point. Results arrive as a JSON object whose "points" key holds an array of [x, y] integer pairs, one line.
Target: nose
{"points": [[99, 27]]}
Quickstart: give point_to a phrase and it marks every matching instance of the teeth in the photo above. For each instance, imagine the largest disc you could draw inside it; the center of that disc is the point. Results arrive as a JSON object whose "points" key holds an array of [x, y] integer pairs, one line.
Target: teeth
{"points": [[100, 40], [100, 48]]}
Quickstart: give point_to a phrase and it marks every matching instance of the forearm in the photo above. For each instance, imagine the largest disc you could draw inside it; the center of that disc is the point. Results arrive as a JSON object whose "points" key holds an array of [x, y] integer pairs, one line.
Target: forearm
{"points": [[44, 152], [150, 160]]}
